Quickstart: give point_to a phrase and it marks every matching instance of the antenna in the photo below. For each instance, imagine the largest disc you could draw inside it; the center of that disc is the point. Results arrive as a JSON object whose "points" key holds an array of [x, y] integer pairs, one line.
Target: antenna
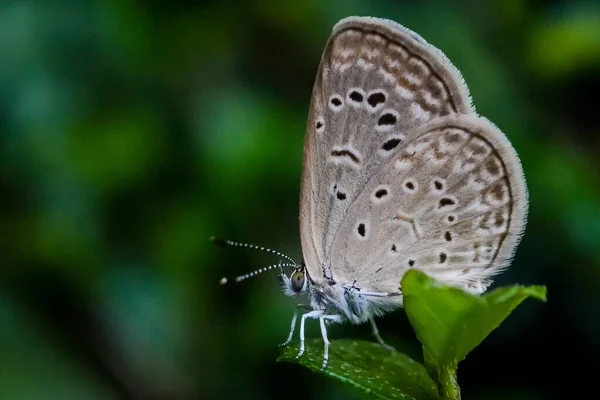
{"points": [[229, 243], [240, 278]]}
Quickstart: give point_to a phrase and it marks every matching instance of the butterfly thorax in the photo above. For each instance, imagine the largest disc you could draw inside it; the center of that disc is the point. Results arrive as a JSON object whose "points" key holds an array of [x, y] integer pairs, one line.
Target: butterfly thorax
{"points": [[347, 300]]}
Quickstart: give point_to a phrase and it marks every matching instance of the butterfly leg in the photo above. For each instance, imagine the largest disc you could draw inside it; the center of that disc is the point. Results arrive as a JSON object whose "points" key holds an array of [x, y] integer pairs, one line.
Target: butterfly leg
{"points": [[335, 318], [311, 314], [325, 341], [378, 336], [292, 327], [293, 324]]}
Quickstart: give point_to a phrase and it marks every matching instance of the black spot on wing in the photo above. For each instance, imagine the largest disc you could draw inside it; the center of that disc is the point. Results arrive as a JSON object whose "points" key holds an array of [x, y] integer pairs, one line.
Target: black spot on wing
{"points": [[391, 144], [346, 153]]}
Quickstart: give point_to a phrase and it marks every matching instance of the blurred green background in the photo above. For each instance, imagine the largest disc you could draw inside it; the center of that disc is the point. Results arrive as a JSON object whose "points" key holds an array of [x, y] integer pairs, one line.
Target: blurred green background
{"points": [[132, 131]]}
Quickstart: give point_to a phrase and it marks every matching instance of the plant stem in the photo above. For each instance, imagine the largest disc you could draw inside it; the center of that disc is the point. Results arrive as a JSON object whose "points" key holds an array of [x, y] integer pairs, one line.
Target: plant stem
{"points": [[449, 389]]}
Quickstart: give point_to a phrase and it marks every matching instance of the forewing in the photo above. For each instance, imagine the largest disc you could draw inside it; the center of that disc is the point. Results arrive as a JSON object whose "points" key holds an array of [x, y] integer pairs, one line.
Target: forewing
{"points": [[451, 202], [376, 83]]}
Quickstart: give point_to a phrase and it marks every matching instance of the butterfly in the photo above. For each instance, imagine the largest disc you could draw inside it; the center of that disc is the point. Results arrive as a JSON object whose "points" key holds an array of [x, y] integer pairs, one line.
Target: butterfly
{"points": [[399, 172]]}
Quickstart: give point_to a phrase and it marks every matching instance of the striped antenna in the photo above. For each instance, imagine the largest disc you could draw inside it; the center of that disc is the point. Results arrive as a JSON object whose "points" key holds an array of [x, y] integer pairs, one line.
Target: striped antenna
{"points": [[223, 242], [240, 278]]}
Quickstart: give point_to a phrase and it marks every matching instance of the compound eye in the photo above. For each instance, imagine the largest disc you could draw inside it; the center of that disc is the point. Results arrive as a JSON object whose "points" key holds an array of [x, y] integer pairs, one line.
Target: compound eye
{"points": [[297, 279]]}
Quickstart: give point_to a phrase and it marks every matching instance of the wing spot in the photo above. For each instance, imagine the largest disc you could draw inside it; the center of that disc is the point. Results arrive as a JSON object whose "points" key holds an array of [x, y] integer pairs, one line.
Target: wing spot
{"points": [[376, 99], [498, 220], [362, 230], [411, 263], [453, 136], [448, 236], [387, 119], [437, 185], [336, 103], [356, 96], [394, 249], [410, 185], [443, 257], [497, 194], [391, 144], [447, 202], [320, 125], [347, 154], [493, 167], [381, 193], [341, 195]]}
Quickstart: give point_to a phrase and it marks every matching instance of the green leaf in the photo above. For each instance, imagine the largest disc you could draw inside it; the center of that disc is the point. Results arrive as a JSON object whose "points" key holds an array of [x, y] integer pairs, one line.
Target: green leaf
{"points": [[368, 366], [450, 322]]}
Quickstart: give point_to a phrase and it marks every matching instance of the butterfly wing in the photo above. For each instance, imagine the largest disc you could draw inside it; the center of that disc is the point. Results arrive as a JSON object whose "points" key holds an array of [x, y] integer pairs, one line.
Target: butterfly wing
{"points": [[451, 202], [376, 83]]}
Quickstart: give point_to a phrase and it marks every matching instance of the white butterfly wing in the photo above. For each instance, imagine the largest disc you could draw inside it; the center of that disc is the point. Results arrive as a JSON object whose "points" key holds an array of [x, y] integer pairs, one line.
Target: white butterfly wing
{"points": [[451, 202], [376, 84]]}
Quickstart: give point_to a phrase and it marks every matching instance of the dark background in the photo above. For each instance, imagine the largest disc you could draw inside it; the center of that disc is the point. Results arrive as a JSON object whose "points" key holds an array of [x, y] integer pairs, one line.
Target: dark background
{"points": [[132, 131]]}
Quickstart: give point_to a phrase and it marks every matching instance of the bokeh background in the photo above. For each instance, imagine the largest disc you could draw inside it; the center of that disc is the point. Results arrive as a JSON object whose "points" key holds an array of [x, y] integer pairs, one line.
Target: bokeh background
{"points": [[132, 131]]}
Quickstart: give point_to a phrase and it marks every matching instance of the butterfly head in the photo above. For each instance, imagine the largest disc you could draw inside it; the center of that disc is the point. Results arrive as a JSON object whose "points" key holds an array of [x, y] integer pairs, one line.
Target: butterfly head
{"points": [[297, 283]]}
